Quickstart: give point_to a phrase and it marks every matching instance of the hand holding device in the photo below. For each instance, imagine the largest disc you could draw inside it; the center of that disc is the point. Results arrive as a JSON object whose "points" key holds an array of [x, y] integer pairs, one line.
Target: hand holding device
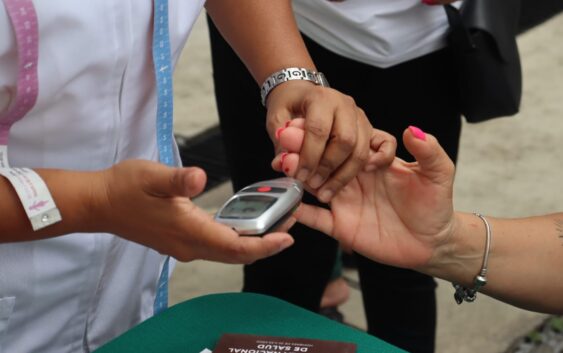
{"points": [[150, 204]]}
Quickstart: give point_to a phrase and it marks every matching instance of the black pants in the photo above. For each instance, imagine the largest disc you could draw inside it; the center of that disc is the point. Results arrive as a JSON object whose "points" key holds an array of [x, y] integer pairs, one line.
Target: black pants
{"points": [[400, 304]]}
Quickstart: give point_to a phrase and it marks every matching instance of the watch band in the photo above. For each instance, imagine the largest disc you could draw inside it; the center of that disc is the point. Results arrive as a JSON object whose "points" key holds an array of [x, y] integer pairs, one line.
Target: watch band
{"points": [[290, 74]]}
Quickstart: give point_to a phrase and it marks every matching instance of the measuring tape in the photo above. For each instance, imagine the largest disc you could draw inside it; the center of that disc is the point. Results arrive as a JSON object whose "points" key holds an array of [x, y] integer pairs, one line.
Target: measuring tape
{"points": [[24, 21], [163, 73], [32, 191]]}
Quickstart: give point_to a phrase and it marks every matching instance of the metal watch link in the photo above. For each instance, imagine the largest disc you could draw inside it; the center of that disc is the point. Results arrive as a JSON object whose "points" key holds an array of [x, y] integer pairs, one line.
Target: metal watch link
{"points": [[290, 74]]}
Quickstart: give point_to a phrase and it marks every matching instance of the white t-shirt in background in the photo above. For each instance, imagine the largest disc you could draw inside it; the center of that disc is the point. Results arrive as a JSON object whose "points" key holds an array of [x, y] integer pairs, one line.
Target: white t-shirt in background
{"points": [[381, 33]]}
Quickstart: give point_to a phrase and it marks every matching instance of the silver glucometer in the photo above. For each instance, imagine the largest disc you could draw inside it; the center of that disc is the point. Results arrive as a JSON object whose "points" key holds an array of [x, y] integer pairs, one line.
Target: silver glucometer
{"points": [[261, 207]]}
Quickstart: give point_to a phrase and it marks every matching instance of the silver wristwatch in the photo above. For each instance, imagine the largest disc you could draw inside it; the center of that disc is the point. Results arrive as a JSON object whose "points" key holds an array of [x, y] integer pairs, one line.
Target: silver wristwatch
{"points": [[289, 74]]}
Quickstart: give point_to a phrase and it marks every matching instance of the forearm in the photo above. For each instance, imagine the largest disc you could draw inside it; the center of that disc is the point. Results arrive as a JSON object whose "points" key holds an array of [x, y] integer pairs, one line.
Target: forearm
{"points": [[525, 261], [72, 193], [263, 34]]}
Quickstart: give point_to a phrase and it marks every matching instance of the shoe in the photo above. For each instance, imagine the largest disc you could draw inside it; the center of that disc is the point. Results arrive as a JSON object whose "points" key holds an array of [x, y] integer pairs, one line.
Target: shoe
{"points": [[332, 313]]}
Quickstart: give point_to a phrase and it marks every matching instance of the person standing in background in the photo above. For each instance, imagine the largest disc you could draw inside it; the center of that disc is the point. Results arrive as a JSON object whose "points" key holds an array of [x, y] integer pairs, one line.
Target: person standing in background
{"points": [[391, 57]]}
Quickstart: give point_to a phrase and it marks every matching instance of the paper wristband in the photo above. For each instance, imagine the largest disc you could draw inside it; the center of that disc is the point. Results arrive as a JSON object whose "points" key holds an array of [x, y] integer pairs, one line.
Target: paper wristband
{"points": [[34, 195]]}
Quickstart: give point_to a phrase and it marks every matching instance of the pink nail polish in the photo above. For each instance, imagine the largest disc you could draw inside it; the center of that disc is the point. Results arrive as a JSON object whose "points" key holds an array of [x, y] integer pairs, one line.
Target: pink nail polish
{"points": [[418, 133]]}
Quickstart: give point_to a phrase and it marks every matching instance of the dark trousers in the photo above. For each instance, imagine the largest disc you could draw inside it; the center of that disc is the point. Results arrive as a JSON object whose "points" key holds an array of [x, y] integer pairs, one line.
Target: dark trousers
{"points": [[400, 304]]}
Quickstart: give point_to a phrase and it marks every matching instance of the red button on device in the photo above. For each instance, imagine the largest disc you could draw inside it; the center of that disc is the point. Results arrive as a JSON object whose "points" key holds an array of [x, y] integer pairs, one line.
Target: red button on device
{"points": [[264, 189]]}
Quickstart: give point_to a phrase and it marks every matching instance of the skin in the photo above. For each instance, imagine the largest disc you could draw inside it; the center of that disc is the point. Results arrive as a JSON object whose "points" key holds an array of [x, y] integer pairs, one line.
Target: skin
{"points": [[151, 204], [336, 144], [401, 214], [141, 201]]}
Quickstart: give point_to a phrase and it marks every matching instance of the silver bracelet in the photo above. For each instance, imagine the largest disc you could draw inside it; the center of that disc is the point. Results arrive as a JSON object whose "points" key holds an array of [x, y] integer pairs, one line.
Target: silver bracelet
{"points": [[289, 74], [469, 294]]}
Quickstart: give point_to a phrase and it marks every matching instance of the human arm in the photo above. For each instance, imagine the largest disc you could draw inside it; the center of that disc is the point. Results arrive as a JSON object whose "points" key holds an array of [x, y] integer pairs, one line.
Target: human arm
{"points": [[525, 260], [402, 215], [141, 201], [265, 36]]}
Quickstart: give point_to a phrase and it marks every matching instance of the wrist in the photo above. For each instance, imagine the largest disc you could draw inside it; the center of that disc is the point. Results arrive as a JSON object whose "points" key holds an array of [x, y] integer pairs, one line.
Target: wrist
{"points": [[95, 213], [459, 257], [75, 193]]}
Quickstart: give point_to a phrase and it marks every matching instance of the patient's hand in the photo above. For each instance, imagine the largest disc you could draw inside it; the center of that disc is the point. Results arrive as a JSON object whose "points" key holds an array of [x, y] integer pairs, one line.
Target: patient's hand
{"points": [[394, 213]]}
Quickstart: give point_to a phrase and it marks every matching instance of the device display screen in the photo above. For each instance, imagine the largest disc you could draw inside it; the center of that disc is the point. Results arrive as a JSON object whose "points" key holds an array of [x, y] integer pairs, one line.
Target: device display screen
{"points": [[247, 207]]}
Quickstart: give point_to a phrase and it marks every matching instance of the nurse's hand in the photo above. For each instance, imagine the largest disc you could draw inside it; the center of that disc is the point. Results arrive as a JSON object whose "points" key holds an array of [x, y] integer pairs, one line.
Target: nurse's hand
{"points": [[337, 133], [397, 215], [149, 203]]}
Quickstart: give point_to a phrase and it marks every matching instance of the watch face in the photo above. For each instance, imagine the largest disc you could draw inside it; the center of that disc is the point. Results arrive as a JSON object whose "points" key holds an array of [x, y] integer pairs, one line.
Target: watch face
{"points": [[247, 207]]}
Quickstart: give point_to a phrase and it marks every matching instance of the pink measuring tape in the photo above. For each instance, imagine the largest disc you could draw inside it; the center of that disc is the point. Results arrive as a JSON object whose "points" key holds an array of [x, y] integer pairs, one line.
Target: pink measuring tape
{"points": [[31, 189], [24, 20]]}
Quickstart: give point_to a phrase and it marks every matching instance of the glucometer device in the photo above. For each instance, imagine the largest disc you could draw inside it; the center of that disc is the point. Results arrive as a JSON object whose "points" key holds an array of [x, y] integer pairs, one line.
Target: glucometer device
{"points": [[261, 207]]}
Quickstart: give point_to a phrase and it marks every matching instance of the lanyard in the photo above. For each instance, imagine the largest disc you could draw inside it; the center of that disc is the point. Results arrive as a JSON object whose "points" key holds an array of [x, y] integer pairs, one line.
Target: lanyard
{"points": [[32, 191], [24, 21], [164, 135]]}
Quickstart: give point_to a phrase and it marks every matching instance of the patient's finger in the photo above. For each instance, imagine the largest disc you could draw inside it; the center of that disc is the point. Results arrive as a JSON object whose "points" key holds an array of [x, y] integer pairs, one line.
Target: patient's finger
{"points": [[315, 217], [286, 163], [383, 148]]}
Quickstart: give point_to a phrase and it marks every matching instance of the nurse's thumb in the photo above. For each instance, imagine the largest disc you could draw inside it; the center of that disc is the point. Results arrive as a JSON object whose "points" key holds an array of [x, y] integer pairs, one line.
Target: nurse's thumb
{"points": [[188, 182]]}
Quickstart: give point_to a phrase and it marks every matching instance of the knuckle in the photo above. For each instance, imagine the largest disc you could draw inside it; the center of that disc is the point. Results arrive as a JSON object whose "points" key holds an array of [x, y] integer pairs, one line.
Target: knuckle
{"points": [[348, 100], [345, 141], [326, 166], [362, 158], [317, 128]]}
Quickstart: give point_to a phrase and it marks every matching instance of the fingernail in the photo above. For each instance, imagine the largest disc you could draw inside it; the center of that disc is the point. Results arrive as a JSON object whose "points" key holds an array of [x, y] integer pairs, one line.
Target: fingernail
{"points": [[325, 196], [428, 2], [302, 175], [278, 132], [418, 133], [316, 181]]}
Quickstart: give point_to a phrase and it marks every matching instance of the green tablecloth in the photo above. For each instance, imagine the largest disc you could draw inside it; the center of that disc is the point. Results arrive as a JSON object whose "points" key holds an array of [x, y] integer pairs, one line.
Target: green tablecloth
{"points": [[196, 324]]}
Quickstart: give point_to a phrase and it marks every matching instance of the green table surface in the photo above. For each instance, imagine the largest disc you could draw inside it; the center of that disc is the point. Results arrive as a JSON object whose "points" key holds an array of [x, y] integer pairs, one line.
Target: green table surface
{"points": [[196, 324]]}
